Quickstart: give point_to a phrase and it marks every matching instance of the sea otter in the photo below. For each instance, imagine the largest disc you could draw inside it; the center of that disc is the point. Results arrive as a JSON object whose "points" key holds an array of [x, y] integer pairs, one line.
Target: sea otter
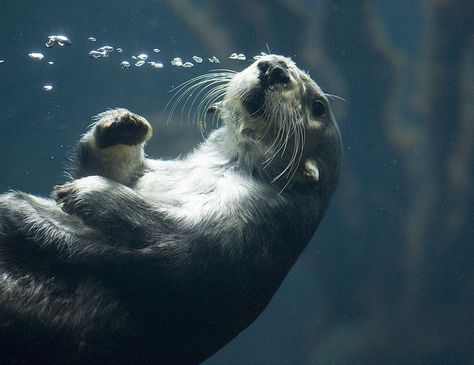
{"points": [[165, 261]]}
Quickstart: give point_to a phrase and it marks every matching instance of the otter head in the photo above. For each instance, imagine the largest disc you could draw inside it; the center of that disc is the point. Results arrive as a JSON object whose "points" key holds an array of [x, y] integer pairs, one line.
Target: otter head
{"points": [[279, 123], [281, 116]]}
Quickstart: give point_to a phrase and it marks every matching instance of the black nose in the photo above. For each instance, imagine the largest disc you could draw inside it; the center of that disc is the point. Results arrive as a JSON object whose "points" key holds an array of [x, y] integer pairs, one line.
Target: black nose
{"points": [[273, 73]]}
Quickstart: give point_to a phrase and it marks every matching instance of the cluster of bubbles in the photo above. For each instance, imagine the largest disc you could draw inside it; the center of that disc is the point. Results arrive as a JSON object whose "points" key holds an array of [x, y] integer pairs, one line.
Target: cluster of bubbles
{"points": [[60, 40], [136, 60], [178, 62], [237, 56], [102, 52]]}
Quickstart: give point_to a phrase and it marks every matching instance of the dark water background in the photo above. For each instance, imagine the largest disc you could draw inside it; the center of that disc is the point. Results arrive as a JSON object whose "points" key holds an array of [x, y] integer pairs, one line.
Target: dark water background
{"points": [[389, 277]]}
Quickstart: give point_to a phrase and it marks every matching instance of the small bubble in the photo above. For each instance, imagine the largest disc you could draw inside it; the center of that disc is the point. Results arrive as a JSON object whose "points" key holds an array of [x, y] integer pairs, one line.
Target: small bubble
{"points": [[1, 61], [47, 87], [213, 59], [238, 56], [98, 54], [156, 50], [50, 63], [177, 62], [142, 56], [61, 40], [140, 63], [125, 64], [107, 49], [92, 39], [188, 64], [262, 54], [119, 50], [36, 55], [197, 59], [156, 64], [134, 57]]}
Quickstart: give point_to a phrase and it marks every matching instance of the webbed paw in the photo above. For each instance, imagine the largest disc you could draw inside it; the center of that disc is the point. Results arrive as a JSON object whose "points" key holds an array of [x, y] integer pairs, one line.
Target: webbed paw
{"points": [[120, 126]]}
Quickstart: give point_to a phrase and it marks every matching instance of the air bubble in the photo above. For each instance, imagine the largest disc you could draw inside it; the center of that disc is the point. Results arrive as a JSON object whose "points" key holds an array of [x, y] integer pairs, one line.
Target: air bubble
{"points": [[98, 54], [125, 64], [140, 63], [262, 54], [197, 59], [92, 39], [188, 64], [50, 63], [177, 62], [119, 50], [107, 49], [47, 87], [156, 50], [142, 56], [101, 52], [213, 59], [238, 56], [156, 64], [36, 55], [61, 40]]}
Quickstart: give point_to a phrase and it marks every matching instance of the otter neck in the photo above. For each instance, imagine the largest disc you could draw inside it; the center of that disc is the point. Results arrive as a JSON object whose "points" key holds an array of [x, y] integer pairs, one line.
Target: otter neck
{"points": [[244, 153]]}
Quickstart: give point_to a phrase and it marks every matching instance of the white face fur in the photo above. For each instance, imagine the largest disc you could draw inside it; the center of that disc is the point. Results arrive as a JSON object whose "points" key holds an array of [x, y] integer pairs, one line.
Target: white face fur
{"points": [[287, 115], [293, 98]]}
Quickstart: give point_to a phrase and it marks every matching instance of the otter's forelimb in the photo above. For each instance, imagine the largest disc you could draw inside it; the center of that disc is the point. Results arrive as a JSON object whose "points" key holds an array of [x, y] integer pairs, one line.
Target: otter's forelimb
{"points": [[115, 210], [113, 147]]}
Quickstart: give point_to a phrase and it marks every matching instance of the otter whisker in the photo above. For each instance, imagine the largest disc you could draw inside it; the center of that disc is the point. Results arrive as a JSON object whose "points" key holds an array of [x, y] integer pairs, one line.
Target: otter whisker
{"points": [[292, 166], [201, 90], [201, 87], [211, 96], [335, 97], [186, 90]]}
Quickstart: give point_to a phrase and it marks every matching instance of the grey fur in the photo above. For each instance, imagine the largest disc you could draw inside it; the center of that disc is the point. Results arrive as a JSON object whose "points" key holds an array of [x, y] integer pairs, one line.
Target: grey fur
{"points": [[145, 260]]}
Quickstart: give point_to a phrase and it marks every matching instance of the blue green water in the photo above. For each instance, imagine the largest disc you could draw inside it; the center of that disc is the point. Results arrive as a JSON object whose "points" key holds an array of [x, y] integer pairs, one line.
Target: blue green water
{"points": [[389, 276]]}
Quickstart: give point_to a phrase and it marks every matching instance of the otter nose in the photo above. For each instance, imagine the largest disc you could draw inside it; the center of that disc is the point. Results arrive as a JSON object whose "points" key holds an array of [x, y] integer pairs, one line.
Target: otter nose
{"points": [[273, 72]]}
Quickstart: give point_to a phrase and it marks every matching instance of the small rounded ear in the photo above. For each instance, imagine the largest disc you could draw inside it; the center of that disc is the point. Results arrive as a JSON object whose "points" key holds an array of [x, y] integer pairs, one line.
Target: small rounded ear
{"points": [[214, 108], [311, 170]]}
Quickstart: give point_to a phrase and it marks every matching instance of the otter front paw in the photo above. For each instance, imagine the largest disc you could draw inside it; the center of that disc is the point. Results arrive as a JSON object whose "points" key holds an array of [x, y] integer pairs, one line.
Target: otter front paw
{"points": [[120, 126], [82, 196]]}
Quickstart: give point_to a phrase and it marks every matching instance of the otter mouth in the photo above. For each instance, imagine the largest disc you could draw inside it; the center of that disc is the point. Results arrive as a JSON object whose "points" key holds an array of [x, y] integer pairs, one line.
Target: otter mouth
{"points": [[273, 76]]}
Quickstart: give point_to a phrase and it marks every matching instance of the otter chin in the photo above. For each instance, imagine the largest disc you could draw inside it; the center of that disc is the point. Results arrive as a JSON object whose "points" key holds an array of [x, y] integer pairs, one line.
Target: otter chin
{"points": [[140, 260]]}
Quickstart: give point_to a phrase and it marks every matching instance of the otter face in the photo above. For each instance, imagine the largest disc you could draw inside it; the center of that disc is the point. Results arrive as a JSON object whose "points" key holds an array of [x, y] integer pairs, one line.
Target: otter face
{"points": [[280, 106], [276, 112]]}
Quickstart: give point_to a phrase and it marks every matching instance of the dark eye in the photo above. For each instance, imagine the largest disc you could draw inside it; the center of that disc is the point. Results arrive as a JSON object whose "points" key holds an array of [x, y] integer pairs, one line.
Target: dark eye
{"points": [[318, 109]]}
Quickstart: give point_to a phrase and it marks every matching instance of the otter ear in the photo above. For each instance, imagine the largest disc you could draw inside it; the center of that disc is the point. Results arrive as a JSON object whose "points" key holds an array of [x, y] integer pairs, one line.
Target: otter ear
{"points": [[214, 108]]}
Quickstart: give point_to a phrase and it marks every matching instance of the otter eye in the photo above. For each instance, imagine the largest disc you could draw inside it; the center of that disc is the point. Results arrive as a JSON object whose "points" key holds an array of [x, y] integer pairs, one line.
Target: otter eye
{"points": [[318, 109]]}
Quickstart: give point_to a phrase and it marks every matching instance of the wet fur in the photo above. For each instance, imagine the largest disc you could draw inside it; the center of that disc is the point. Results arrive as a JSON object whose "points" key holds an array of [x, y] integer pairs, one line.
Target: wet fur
{"points": [[153, 261]]}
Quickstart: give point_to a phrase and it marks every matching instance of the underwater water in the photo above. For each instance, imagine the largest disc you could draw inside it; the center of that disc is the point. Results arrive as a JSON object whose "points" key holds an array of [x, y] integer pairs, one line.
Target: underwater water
{"points": [[389, 276]]}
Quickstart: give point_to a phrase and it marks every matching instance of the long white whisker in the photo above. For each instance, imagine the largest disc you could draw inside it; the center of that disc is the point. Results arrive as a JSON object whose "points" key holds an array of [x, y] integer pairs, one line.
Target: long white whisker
{"points": [[212, 85], [335, 97]]}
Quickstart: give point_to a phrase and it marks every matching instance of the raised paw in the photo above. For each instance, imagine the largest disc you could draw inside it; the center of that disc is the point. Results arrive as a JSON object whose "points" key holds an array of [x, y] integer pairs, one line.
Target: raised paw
{"points": [[120, 126]]}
